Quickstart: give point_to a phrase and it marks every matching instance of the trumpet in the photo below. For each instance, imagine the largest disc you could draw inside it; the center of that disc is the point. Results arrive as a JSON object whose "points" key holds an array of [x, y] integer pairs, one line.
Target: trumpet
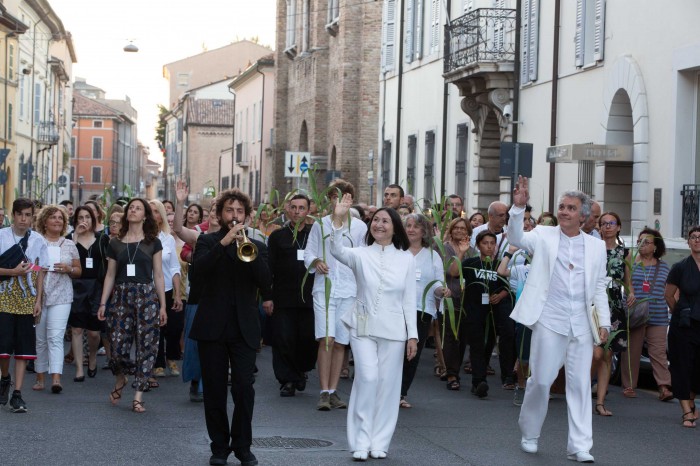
{"points": [[246, 250]]}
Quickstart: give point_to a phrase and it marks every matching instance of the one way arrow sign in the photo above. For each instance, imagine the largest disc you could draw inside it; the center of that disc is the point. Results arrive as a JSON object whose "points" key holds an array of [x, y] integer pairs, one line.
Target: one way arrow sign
{"points": [[296, 163]]}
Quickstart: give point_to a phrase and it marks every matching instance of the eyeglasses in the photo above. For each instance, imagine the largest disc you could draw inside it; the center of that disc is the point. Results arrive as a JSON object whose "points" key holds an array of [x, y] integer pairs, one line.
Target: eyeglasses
{"points": [[694, 238], [612, 223], [643, 243], [114, 222]]}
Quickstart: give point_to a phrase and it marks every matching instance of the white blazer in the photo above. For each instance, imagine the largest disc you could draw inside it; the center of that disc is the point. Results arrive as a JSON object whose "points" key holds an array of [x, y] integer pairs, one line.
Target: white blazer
{"points": [[543, 244]]}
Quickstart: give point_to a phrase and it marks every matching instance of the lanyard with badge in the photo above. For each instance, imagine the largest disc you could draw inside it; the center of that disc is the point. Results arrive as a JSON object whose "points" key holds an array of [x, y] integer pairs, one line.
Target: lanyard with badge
{"points": [[130, 266], [300, 248], [485, 298], [88, 259]]}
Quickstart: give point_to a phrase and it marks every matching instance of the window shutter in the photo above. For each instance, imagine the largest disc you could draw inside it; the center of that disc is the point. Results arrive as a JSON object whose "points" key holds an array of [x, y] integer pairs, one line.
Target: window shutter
{"points": [[468, 5], [534, 38], [579, 32], [599, 34], [434, 26], [408, 40], [525, 37], [418, 30], [389, 35]]}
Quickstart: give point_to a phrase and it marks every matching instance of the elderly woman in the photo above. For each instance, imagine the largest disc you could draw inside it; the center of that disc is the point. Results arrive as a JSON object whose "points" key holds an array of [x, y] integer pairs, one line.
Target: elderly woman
{"points": [[87, 289], [649, 275], [429, 275], [381, 324], [169, 343], [456, 242], [134, 281], [682, 295], [51, 223]]}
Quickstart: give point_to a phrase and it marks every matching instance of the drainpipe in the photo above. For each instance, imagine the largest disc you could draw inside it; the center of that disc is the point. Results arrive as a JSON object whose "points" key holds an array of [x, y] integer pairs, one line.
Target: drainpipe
{"points": [[555, 93], [262, 123], [233, 137], [398, 96], [31, 104], [445, 101]]}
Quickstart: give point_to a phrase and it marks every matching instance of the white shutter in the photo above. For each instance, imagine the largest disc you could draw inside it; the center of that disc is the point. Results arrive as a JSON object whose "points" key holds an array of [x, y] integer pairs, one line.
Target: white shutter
{"points": [[389, 35], [534, 39], [580, 29], [468, 5], [434, 26], [525, 44], [418, 31], [599, 33], [408, 39]]}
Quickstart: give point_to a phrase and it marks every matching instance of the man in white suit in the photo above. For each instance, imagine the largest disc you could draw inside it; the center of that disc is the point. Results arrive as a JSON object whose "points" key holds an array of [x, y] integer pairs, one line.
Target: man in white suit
{"points": [[568, 275]]}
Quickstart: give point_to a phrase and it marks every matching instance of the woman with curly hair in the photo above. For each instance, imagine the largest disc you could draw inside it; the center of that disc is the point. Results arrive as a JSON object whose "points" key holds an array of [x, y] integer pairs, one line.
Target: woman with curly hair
{"points": [[137, 308], [51, 223]]}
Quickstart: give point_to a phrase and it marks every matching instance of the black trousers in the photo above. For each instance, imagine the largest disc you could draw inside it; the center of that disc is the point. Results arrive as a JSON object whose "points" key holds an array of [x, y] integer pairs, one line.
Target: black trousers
{"points": [[684, 359], [294, 346], [453, 347], [423, 322], [479, 347], [169, 341], [215, 357]]}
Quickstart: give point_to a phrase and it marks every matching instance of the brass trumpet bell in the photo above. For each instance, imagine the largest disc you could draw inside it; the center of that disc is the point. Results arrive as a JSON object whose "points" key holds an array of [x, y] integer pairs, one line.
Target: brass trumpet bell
{"points": [[246, 250]]}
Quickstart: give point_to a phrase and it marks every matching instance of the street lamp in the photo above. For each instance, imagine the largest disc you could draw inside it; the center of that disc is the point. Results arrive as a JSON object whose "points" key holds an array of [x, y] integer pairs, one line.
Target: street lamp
{"points": [[130, 47], [370, 176], [81, 182]]}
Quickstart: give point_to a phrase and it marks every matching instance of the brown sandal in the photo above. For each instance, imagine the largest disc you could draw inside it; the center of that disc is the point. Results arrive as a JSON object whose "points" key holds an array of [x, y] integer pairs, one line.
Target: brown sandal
{"points": [[665, 394], [601, 410], [691, 421], [116, 394], [137, 406]]}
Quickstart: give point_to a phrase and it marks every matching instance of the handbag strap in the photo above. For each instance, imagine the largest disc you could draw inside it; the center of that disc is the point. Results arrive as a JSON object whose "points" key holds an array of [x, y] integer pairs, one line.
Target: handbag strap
{"points": [[656, 274]]}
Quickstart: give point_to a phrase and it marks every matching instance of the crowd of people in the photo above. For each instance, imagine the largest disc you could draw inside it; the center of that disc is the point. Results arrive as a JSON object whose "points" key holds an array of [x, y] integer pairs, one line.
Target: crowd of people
{"points": [[196, 290]]}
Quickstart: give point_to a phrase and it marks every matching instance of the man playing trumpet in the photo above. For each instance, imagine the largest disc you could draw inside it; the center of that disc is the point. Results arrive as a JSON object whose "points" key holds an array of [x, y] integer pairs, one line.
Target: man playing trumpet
{"points": [[227, 327]]}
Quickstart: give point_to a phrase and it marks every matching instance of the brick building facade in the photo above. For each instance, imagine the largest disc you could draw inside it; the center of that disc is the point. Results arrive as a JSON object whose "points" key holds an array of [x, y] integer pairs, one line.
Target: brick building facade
{"points": [[327, 88]]}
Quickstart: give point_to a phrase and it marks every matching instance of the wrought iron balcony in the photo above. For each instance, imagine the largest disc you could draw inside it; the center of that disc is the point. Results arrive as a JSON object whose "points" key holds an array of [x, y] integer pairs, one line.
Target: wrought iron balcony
{"points": [[48, 133], [482, 36], [691, 207]]}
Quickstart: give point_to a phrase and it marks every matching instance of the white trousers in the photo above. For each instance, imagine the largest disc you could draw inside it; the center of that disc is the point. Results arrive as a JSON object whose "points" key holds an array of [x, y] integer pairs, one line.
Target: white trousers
{"points": [[376, 391], [49, 338], [548, 352]]}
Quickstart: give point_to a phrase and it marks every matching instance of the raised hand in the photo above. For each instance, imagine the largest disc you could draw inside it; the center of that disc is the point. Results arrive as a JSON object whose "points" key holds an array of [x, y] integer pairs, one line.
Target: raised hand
{"points": [[520, 193], [181, 191], [342, 207]]}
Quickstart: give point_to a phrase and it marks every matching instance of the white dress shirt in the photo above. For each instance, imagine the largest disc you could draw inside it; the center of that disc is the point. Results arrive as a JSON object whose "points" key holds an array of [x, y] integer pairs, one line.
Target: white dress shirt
{"points": [[565, 309], [342, 278], [428, 268], [386, 283], [171, 266], [501, 242]]}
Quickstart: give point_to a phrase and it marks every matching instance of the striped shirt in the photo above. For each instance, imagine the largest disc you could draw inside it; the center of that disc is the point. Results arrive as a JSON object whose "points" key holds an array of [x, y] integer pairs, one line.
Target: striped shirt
{"points": [[658, 310]]}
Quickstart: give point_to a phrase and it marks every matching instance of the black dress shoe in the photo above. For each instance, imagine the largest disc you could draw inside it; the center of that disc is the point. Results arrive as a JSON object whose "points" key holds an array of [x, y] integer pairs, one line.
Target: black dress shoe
{"points": [[300, 385], [287, 389], [79, 379], [92, 372], [217, 459], [246, 457]]}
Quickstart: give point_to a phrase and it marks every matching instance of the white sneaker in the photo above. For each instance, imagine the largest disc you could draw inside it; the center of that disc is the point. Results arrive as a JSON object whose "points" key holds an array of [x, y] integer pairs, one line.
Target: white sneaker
{"points": [[581, 457], [377, 454], [360, 455], [528, 445]]}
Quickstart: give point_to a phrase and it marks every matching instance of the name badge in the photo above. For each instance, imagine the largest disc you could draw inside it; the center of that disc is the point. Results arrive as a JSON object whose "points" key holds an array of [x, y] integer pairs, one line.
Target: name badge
{"points": [[130, 270], [417, 274], [300, 254], [646, 287], [484, 298], [88, 262]]}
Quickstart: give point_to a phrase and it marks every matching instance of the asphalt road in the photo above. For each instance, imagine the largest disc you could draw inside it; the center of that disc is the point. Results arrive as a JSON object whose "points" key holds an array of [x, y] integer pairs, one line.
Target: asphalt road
{"points": [[79, 426]]}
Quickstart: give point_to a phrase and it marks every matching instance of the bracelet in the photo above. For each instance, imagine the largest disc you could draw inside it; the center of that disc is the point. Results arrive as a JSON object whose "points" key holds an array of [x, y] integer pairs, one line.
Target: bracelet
{"points": [[508, 255]]}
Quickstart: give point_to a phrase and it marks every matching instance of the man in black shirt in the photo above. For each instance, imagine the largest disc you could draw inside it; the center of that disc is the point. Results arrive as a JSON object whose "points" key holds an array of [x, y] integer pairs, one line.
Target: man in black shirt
{"points": [[294, 345]]}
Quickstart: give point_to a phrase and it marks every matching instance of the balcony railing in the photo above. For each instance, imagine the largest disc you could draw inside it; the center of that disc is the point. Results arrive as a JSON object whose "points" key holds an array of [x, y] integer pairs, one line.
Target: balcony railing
{"points": [[691, 207], [485, 35], [48, 133]]}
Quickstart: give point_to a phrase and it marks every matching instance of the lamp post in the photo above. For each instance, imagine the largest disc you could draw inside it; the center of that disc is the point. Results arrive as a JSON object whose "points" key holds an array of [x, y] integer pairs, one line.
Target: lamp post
{"points": [[370, 176], [81, 182]]}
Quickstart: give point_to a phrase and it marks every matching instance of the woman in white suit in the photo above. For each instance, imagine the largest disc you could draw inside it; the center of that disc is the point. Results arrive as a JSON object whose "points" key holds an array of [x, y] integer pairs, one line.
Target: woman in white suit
{"points": [[382, 321]]}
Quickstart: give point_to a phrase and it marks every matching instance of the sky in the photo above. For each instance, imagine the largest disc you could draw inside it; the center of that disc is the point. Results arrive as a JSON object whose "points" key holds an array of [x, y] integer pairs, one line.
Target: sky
{"points": [[164, 31]]}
